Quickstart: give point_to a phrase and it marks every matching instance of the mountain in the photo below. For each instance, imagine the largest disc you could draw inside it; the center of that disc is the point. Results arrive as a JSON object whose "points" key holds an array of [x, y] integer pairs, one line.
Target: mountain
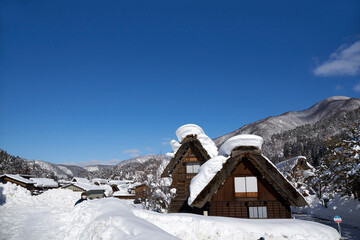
{"points": [[302, 130], [136, 168], [288, 135]]}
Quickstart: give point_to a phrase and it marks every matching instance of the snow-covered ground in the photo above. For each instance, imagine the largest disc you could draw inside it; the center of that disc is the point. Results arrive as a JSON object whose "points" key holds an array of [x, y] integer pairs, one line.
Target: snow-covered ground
{"points": [[347, 208], [52, 215]]}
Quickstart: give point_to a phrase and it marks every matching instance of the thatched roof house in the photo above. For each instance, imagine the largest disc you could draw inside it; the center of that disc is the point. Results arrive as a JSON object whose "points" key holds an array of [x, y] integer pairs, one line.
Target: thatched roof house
{"points": [[186, 162], [244, 184]]}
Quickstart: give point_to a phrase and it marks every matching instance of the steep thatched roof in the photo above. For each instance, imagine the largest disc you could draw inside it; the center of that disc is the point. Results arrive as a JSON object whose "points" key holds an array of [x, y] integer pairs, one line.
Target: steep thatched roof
{"points": [[192, 142], [264, 166]]}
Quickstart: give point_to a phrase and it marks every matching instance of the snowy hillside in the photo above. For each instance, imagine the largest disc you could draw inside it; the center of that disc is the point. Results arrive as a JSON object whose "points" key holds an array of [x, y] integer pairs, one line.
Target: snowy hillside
{"points": [[52, 215], [322, 120], [325, 109]]}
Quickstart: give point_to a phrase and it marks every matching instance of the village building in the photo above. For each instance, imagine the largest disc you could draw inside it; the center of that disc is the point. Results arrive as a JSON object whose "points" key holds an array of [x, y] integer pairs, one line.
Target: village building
{"points": [[18, 180], [182, 168], [123, 195], [43, 184], [80, 180], [92, 191], [244, 184], [141, 193], [296, 169], [99, 181]]}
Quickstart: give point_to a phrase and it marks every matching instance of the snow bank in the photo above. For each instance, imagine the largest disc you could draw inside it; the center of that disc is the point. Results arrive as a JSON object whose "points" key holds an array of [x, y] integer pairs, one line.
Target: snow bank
{"points": [[346, 207], [110, 219], [240, 140], [192, 129], [44, 182], [206, 172], [52, 215], [190, 226]]}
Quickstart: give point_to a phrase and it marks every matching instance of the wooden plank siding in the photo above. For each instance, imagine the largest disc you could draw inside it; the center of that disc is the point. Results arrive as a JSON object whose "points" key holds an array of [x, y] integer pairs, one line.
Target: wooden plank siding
{"points": [[226, 203], [181, 181], [29, 187]]}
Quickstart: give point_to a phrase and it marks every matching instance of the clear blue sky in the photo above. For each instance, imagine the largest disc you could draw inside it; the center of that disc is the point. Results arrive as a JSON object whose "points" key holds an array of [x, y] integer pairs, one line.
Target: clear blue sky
{"points": [[100, 81]]}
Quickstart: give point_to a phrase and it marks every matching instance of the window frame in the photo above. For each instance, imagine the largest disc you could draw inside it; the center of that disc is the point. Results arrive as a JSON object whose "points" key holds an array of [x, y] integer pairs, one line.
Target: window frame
{"points": [[246, 186], [258, 212], [194, 166]]}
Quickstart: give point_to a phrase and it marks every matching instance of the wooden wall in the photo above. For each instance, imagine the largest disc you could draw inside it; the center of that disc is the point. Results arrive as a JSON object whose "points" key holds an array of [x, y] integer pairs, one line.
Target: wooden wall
{"points": [[181, 181], [6, 179], [224, 202]]}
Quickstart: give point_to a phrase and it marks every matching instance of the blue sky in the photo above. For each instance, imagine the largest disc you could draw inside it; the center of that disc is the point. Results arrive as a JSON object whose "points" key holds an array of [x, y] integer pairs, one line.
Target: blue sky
{"points": [[102, 81]]}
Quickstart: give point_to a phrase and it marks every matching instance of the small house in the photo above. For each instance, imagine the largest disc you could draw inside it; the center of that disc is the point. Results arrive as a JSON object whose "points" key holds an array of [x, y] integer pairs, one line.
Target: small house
{"points": [[99, 181], [42, 184], [80, 180], [123, 195], [182, 168], [245, 184], [297, 169], [18, 180], [92, 191], [141, 192]]}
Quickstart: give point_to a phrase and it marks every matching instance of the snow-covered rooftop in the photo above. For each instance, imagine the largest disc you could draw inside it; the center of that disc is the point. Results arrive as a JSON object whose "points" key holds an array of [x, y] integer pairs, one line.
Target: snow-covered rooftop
{"points": [[18, 178], [80, 180], [88, 187], [193, 129], [206, 172], [44, 182], [248, 140]]}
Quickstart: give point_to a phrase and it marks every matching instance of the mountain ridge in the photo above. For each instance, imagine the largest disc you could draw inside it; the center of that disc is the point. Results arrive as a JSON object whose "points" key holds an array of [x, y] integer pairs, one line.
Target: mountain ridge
{"points": [[292, 119]]}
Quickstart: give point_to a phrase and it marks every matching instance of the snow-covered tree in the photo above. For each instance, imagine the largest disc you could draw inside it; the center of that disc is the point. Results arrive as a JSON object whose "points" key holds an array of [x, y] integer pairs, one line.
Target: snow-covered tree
{"points": [[340, 167]]}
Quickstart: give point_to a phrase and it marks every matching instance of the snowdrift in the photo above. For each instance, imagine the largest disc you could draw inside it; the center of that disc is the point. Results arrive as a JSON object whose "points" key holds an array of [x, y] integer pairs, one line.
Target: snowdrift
{"points": [[52, 215]]}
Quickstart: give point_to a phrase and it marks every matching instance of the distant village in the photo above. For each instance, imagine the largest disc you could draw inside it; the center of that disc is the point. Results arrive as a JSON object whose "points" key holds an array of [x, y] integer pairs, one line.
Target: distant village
{"points": [[235, 180]]}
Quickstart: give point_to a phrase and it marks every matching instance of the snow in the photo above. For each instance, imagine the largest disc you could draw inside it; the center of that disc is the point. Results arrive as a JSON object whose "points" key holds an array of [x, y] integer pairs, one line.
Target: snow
{"points": [[52, 215], [206, 172], [346, 207], [191, 226], [175, 145], [88, 187], [18, 178], [80, 180], [240, 140], [44, 182], [99, 180], [192, 129]]}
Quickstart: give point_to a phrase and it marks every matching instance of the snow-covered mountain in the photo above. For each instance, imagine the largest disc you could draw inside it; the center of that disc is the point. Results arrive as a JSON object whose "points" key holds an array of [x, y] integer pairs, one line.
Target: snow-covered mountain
{"points": [[326, 109], [132, 168], [288, 135], [304, 132]]}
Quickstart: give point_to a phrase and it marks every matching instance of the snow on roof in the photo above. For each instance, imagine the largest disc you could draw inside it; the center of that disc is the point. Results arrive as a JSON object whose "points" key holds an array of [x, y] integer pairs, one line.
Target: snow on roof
{"points": [[87, 187], [192, 129], [44, 182], [100, 181], [80, 180], [18, 178], [206, 173], [240, 140], [287, 165], [175, 145], [122, 193]]}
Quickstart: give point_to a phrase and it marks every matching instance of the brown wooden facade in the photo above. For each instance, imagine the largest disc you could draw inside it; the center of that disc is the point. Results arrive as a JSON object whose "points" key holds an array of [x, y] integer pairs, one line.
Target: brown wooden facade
{"points": [[190, 152], [5, 179], [273, 197], [141, 192], [228, 204]]}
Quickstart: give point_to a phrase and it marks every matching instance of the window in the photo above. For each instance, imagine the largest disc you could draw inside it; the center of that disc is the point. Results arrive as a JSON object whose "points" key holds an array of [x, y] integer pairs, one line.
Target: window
{"points": [[246, 187], [192, 167], [257, 212]]}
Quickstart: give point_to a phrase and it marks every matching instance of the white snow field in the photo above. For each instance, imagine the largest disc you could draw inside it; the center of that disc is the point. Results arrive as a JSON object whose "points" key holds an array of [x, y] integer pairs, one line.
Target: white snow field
{"points": [[52, 215]]}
